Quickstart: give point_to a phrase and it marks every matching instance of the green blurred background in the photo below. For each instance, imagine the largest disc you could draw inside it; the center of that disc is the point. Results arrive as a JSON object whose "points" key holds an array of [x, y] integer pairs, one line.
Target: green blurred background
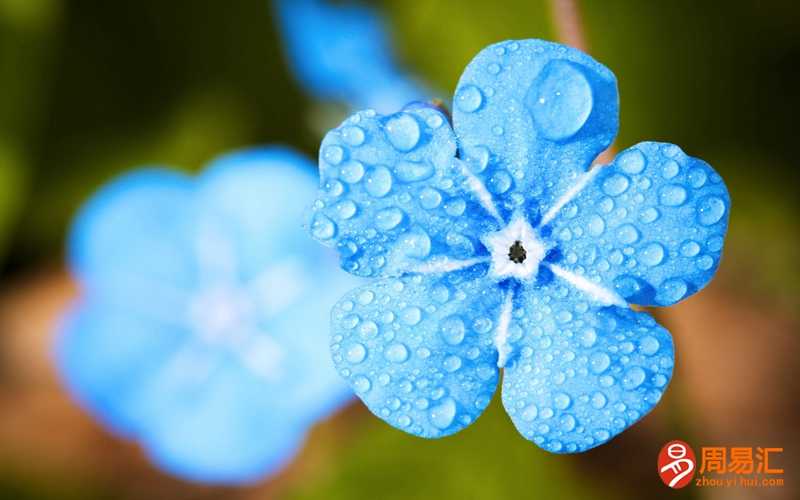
{"points": [[90, 88]]}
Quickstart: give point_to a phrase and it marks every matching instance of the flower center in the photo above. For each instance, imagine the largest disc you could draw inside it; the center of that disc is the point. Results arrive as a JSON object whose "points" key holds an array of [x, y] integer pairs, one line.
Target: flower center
{"points": [[516, 251]]}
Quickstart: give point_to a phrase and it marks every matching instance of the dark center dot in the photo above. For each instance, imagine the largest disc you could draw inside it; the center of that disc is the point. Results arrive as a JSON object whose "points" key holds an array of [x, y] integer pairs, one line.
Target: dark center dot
{"points": [[517, 253]]}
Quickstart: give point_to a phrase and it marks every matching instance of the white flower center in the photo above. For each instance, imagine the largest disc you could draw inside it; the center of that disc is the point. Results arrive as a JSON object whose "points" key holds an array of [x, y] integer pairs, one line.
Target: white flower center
{"points": [[516, 250]]}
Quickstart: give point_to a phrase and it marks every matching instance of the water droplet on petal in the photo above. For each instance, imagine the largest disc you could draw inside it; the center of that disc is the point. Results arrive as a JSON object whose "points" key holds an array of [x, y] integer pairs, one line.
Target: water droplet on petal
{"points": [[596, 225], [443, 414], [333, 154], [710, 210], [452, 363], [649, 345], [396, 353], [416, 244], [697, 177], [403, 131], [670, 169], [633, 378], [599, 362], [560, 100], [346, 209], [649, 215], [561, 401], [430, 198], [599, 400], [529, 413], [631, 161], [412, 171], [411, 315], [627, 234], [388, 218], [469, 98], [378, 182], [452, 330], [616, 184], [356, 353], [361, 384], [652, 254], [322, 228], [672, 195], [672, 290], [351, 171]]}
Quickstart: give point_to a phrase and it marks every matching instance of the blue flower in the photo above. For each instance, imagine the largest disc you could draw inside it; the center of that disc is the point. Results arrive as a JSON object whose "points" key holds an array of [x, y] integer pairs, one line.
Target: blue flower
{"points": [[496, 245], [343, 53], [200, 328]]}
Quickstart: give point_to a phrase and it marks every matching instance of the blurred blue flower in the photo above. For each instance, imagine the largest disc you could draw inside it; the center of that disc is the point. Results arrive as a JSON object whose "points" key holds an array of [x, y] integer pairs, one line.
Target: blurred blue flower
{"points": [[343, 53], [200, 330], [496, 246]]}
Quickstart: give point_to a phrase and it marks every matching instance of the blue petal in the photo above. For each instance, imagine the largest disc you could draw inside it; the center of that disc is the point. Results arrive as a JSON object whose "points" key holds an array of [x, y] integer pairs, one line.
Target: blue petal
{"points": [[250, 207], [418, 349], [581, 374], [531, 116], [132, 241], [230, 430], [342, 52], [105, 355], [651, 225], [393, 196]]}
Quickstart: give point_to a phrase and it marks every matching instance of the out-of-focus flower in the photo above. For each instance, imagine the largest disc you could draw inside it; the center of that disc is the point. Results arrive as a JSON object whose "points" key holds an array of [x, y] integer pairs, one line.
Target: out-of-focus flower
{"points": [[497, 246], [343, 53], [201, 327]]}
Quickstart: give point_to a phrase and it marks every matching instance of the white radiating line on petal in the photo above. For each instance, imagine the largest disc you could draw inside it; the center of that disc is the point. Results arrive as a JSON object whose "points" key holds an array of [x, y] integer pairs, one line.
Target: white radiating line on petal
{"points": [[501, 333], [600, 294], [481, 193], [571, 193], [446, 265]]}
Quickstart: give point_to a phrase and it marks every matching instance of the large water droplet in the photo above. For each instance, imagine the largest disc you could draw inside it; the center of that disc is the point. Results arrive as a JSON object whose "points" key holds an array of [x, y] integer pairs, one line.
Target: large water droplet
{"points": [[411, 315], [672, 290], [443, 414], [672, 195], [631, 161], [561, 401], [652, 254], [477, 157], [469, 98], [351, 171], [697, 177], [346, 209], [403, 132], [596, 225], [416, 244], [633, 378], [361, 384], [616, 184], [529, 413], [356, 353], [353, 135], [453, 330], [710, 210], [690, 248], [560, 100], [599, 362], [388, 218], [412, 171], [333, 154], [396, 353], [322, 228], [452, 363], [649, 345], [599, 400], [430, 198], [670, 169], [499, 182], [627, 234], [378, 182]]}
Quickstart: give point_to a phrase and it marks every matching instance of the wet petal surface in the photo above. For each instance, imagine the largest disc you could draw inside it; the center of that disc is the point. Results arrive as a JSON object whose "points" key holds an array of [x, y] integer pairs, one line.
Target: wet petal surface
{"points": [[418, 350], [650, 226], [581, 373]]}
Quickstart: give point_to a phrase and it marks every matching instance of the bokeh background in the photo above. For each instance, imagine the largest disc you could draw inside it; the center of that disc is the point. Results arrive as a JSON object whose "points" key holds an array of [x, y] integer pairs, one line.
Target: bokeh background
{"points": [[90, 88]]}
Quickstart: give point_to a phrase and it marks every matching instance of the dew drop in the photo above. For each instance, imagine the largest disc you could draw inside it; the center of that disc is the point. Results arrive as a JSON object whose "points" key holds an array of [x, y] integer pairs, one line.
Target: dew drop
{"points": [[649, 215], [452, 363], [652, 254], [322, 228], [361, 384], [633, 378], [411, 315], [561, 401], [672, 290], [670, 169], [351, 171], [378, 182], [356, 353], [649, 345], [430, 198], [599, 362], [412, 171], [453, 330], [477, 157], [627, 234], [333, 154], [443, 414], [697, 177], [710, 210], [396, 353], [346, 209], [388, 218], [596, 225], [416, 244], [353, 135], [560, 100], [599, 400], [403, 132], [616, 184], [631, 161], [672, 195], [500, 182], [469, 98], [529, 413]]}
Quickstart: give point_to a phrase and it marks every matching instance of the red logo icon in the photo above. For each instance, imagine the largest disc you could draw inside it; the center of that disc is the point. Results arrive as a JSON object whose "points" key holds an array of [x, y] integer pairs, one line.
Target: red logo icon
{"points": [[676, 464]]}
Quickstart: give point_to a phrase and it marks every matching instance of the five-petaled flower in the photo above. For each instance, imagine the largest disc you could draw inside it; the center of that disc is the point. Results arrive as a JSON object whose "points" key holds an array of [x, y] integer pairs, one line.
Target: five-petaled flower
{"points": [[200, 330], [497, 245]]}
